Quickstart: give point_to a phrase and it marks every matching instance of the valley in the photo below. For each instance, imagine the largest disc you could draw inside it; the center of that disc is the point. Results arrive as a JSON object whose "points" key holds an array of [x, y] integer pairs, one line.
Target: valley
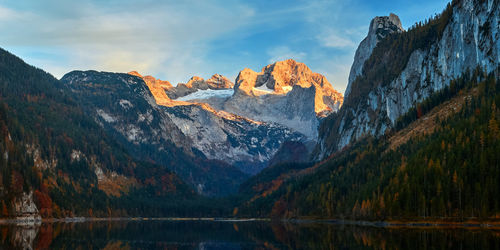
{"points": [[415, 138]]}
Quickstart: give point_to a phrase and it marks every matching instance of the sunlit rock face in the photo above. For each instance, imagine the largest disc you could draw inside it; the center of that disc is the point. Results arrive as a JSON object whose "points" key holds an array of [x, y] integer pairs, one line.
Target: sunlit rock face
{"points": [[470, 40], [281, 77], [380, 27], [158, 89], [285, 92], [218, 81]]}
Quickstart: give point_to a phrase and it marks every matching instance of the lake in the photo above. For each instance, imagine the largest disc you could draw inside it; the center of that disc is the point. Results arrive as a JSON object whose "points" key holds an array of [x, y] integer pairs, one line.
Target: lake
{"points": [[238, 235]]}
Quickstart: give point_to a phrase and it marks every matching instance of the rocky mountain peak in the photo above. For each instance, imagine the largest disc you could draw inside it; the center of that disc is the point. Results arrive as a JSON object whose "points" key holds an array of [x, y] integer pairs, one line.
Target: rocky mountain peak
{"points": [[196, 82], [218, 81], [135, 73], [380, 27], [150, 80], [281, 77]]}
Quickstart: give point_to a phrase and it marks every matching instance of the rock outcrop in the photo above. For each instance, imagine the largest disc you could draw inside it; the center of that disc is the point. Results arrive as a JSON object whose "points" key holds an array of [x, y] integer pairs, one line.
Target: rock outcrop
{"points": [[25, 210], [470, 39], [380, 27]]}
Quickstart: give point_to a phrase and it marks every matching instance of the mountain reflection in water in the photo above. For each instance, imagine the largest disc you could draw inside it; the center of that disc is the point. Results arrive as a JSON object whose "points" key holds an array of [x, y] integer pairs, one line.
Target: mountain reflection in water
{"points": [[237, 235]]}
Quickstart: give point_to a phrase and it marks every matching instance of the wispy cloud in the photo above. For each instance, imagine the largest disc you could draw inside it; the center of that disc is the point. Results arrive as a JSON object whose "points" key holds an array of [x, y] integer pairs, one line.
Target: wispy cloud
{"points": [[167, 38], [175, 40], [333, 40]]}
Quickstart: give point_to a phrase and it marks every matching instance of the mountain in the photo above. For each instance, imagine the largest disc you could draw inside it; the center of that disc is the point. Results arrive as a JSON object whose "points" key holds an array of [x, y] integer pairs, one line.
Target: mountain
{"points": [[416, 138], [285, 92], [56, 161], [442, 167], [124, 106], [407, 67], [246, 126], [150, 124]]}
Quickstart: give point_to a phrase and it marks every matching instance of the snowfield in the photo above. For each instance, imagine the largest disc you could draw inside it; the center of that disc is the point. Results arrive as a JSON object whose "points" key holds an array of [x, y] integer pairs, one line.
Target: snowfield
{"points": [[206, 94]]}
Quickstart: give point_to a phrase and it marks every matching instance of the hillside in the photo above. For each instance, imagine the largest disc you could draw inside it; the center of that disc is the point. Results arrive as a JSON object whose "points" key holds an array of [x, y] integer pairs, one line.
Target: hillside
{"points": [[56, 161], [450, 172]]}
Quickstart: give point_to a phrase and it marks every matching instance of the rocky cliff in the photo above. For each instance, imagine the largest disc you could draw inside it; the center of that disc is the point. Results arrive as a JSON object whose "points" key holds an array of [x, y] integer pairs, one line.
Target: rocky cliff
{"points": [[379, 28], [465, 36]]}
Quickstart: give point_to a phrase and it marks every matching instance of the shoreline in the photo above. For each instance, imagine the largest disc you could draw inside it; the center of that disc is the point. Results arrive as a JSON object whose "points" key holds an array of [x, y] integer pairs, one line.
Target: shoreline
{"points": [[488, 225]]}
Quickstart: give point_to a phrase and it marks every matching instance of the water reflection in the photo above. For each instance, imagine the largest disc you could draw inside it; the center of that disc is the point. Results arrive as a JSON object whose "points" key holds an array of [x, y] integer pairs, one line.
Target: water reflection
{"points": [[237, 235]]}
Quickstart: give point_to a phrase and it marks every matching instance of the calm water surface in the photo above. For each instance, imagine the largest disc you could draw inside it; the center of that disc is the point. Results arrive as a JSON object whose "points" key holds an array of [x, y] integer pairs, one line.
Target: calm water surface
{"points": [[238, 235]]}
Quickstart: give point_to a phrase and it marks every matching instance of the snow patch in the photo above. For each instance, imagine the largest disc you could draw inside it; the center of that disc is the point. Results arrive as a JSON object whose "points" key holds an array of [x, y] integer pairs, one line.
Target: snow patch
{"points": [[107, 117], [132, 133], [126, 104], [264, 88], [206, 94], [287, 89]]}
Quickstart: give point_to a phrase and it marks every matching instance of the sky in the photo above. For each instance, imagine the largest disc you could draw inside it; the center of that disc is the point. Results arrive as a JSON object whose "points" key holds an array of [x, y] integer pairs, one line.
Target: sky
{"points": [[175, 40]]}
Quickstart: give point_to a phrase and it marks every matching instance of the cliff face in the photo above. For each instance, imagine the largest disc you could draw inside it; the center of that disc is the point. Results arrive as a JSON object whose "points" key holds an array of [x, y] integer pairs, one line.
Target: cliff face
{"points": [[380, 27], [157, 87], [470, 39]]}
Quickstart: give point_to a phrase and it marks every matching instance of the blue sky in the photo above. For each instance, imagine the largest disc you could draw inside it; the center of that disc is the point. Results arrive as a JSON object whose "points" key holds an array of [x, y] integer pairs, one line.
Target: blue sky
{"points": [[174, 40]]}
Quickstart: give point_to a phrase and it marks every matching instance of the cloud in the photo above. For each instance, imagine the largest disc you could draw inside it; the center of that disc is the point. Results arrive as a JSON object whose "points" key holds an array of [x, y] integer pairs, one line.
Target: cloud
{"points": [[174, 40], [169, 40], [333, 40], [282, 53]]}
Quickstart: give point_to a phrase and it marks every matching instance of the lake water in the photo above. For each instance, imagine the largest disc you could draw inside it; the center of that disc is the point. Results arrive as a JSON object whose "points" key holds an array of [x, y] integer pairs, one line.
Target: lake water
{"points": [[238, 235]]}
